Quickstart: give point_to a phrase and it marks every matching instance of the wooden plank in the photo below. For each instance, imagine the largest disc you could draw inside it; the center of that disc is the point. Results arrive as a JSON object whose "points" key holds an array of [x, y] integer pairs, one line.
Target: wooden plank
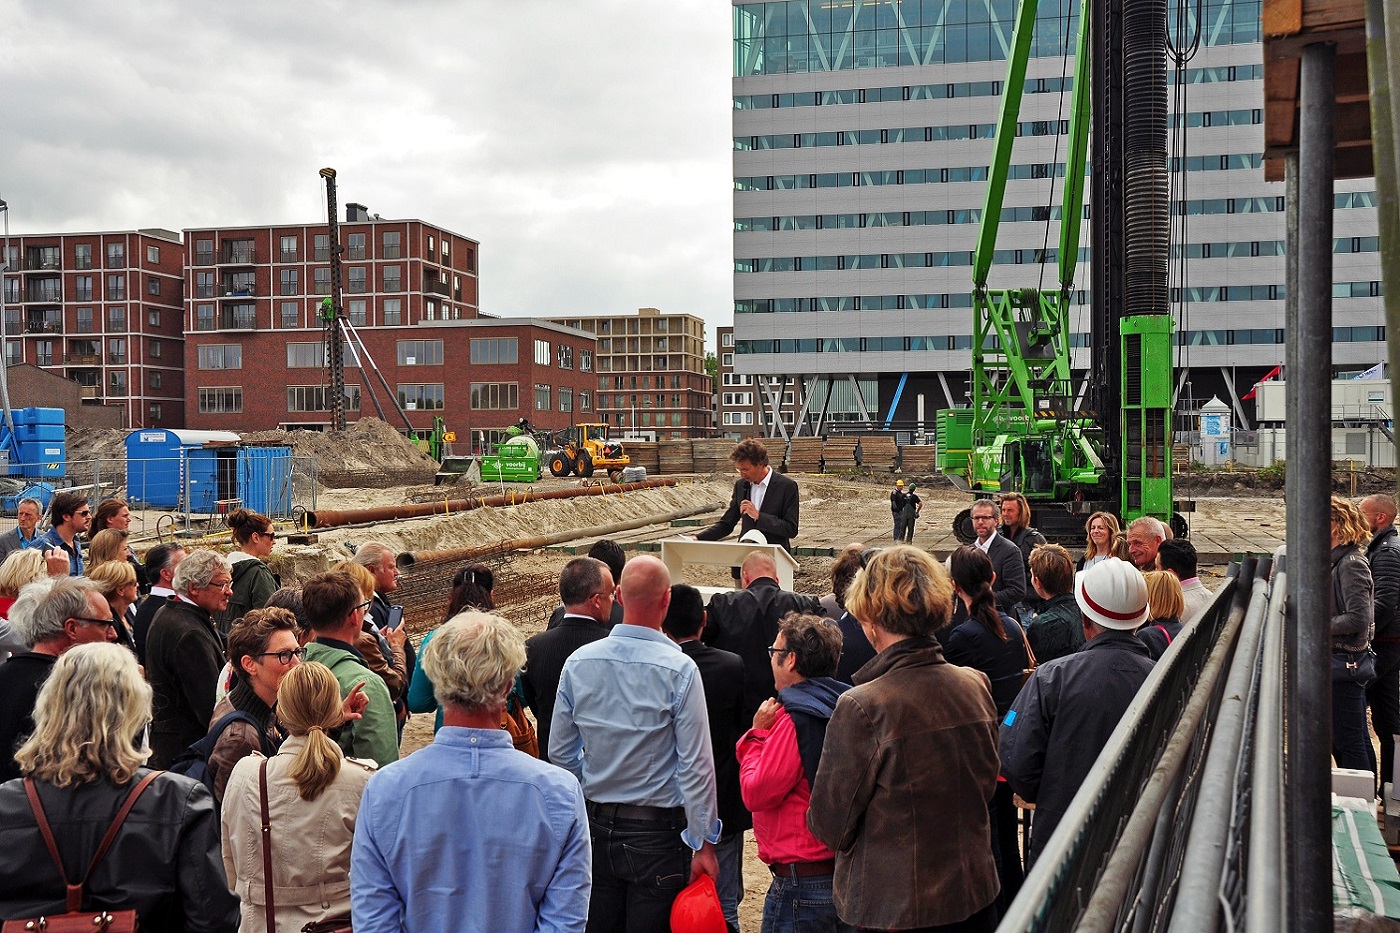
{"points": [[1282, 17]]}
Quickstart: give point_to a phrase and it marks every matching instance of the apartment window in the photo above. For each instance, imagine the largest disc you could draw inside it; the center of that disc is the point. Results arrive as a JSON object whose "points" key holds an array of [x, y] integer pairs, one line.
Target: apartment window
{"points": [[393, 316], [319, 398], [676, 381], [82, 288], [82, 256], [153, 349], [223, 400], [203, 252], [116, 351], [355, 283], [153, 254], [566, 399], [585, 360], [457, 288], [221, 356], [430, 310], [155, 411], [117, 380], [392, 244], [542, 353], [323, 281], [585, 400], [306, 355], [116, 255], [421, 396], [155, 379], [152, 285], [239, 251], [204, 284], [288, 251], [355, 247], [116, 287], [14, 352], [322, 248], [12, 291], [471, 259], [203, 317], [290, 313], [420, 352], [357, 312], [488, 351], [393, 278], [287, 282], [727, 359], [445, 245], [43, 352], [495, 396], [116, 319], [432, 247], [566, 357], [153, 317], [542, 398]]}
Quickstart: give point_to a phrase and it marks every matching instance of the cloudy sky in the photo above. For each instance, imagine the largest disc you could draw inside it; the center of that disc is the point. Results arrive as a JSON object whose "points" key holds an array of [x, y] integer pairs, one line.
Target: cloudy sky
{"points": [[584, 144]]}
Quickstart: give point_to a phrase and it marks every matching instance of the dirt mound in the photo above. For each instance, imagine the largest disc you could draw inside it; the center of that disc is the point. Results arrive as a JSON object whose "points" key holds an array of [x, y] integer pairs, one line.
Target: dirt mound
{"points": [[368, 444], [100, 444]]}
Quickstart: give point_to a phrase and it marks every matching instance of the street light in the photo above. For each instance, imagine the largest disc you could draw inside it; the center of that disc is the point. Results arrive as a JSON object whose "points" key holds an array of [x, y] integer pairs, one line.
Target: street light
{"points": [[5, 329]]}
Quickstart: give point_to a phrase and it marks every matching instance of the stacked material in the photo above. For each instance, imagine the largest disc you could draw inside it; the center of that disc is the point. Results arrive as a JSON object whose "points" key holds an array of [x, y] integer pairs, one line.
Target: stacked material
{"points": [[805, 455], [839, 453], [711, 455], [674, 457], [777, 449], [878, 453], [917, 459], [643, 454]]}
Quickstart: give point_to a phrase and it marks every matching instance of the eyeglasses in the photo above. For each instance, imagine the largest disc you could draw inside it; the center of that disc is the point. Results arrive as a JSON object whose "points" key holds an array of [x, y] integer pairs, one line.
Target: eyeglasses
{"points": [[774, 652], [84, 513], [101, 623], [227, 586], [285, 656], [364, 605]]}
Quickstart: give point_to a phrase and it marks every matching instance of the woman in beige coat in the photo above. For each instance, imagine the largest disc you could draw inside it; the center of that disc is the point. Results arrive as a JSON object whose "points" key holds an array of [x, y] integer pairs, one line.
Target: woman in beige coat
{"points": [[313, 795]]}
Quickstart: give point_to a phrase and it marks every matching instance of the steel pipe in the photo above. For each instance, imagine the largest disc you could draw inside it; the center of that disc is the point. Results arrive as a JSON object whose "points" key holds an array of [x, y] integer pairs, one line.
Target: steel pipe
{"points": [[329, 518], [1266, 891], [410, 558]]}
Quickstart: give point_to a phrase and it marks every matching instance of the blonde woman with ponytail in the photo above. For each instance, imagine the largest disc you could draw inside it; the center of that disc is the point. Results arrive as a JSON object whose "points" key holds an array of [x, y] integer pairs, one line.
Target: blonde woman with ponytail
{"points": [[313, 794]]}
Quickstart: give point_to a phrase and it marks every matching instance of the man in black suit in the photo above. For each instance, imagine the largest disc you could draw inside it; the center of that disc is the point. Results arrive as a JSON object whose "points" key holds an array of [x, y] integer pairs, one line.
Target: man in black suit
{"points": [[763, 498], [722, 676], [1009, 587], [586, 588], [609, 552], [746, 622], [161, 562]]}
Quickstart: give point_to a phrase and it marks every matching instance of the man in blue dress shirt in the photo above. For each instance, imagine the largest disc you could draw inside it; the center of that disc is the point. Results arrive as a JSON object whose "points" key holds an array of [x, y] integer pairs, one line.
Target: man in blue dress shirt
{"points": [[469, 834], [630, 723]]}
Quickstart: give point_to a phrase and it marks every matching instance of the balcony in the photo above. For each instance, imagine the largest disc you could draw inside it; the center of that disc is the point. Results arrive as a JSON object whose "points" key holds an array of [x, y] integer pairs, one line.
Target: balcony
{"points": [[238, 256], [88, 392], [43, 327], [82, 359], [238, 317], [238, 291], [434, 287]]}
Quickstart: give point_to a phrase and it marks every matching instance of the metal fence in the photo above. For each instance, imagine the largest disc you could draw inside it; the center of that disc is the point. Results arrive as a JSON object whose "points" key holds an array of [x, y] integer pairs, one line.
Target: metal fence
{"points": [[1160, 835]]}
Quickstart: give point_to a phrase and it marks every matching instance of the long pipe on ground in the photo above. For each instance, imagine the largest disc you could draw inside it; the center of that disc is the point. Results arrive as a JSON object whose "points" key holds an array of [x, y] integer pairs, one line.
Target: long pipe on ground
{"points": [[329, 518], [409, 558]]}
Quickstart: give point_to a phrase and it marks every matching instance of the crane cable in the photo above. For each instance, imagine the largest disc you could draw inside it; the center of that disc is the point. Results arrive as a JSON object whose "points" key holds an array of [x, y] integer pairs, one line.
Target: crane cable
{"points": [[1182, 49], [1053, 172]]}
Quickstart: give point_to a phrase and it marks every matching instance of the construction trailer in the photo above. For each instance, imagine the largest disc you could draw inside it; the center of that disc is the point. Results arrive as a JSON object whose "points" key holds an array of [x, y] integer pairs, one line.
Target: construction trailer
{"points": [[206, 472]]}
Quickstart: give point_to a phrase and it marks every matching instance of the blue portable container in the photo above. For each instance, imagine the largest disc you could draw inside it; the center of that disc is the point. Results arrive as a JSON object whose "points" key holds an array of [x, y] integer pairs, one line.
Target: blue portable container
{"points": [[212, 468]]}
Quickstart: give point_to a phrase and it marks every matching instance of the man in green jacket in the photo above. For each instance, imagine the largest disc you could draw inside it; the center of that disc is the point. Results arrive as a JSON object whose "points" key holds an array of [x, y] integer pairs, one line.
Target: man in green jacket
{"points": [[336, 612]]}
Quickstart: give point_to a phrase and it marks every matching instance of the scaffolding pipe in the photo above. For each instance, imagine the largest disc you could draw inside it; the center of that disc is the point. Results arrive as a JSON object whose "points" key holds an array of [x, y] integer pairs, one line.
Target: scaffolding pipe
{"points": [[329, 518], [1266, 892], [411, 558]]}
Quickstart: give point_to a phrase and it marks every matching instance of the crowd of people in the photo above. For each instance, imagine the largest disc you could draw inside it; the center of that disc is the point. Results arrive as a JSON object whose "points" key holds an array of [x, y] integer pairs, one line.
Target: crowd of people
{"points": [[874, 739]]}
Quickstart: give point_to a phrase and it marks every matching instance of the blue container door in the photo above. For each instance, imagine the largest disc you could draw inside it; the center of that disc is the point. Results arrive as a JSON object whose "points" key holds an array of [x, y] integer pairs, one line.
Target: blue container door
{"points": [[154, 469], [265, 480], [201, 480]]}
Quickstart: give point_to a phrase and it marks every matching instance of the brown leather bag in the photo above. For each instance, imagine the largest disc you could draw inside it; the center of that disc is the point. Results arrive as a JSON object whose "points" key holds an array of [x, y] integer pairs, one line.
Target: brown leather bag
{"points": [[337, 924], [76, 919], [513, 720], [1029, 671]]}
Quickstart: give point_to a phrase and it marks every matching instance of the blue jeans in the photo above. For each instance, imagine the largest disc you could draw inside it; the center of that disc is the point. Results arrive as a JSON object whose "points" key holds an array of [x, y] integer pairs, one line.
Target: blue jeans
{"points": [[801, 905], [730, 854]]}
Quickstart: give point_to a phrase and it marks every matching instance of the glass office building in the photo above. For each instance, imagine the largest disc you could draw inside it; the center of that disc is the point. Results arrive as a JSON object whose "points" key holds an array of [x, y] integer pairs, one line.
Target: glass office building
{"points": [[862, 133]]}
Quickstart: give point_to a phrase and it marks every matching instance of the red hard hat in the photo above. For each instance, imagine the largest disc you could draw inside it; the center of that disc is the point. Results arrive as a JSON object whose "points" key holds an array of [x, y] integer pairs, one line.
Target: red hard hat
{"points": [[696, 909]]}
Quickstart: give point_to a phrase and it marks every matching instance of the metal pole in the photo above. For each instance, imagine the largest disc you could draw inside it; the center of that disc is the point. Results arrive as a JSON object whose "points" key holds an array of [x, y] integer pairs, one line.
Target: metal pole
{"points": [[334, 342], [1309, 446], [1266, 893], [4, 330]]}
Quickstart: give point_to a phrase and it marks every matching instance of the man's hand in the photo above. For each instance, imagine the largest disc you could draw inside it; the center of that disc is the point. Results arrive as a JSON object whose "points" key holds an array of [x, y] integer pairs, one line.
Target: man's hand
{"points": [[748, 509], [353, 707], [767, 714], [395, 637], [56, 562], [704, 862]]}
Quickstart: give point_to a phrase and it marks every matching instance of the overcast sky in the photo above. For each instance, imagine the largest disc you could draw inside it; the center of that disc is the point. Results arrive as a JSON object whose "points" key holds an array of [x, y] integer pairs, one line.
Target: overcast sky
{"points": [[584, 144]]}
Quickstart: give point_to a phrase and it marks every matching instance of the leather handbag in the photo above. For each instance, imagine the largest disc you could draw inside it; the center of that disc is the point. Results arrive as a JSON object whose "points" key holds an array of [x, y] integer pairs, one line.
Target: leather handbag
{"points": [[514, 721], [1031, 662], [336, 924], [75, 918]]}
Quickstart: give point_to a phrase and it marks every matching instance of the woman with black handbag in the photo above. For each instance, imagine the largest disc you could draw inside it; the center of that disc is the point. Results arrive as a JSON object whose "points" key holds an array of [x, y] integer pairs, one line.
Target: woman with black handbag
{"points": [[1353, 662], [289, 820]]}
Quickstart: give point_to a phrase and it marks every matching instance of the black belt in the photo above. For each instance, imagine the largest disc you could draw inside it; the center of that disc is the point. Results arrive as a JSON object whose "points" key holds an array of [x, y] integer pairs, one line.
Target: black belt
{"points": [[804, 869], [1387, 640], [631, 811]]}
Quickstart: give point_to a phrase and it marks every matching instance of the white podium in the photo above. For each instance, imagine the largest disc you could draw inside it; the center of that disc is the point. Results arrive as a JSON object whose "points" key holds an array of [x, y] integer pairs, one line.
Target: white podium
{"points": [[677, 554]]}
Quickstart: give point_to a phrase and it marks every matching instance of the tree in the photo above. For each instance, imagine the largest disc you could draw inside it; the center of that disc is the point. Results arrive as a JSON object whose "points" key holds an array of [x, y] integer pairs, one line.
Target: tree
{"points": [[712, 366]]}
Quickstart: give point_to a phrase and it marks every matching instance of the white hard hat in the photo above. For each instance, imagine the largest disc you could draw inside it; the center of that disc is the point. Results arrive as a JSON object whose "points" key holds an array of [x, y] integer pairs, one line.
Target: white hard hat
{"points": [[1113, 594], [752, 536]]}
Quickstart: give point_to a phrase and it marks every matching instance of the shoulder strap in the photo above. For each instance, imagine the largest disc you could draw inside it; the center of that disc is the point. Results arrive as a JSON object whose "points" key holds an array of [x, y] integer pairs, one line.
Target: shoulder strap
{"points": [[1031, 662], [1164, 632], [266, 845], [74, 892]]}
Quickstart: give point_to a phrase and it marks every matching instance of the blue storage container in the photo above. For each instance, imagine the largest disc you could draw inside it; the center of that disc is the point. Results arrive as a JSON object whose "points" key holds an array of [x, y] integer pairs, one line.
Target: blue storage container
{"points": [[164, 468], [46, 416]]}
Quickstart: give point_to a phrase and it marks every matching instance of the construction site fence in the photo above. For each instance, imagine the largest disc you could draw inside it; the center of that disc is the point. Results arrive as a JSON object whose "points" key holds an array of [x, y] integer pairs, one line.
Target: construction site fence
{"points": [[1178, 825]]}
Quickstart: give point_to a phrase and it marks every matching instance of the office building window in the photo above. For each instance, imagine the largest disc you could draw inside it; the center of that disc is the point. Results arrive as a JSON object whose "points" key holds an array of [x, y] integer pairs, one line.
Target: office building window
{"points": [[420, 353], [542, 355], [419, 396], [495, 396], [221, 400], [288, 251], [393, 316], [319, 398], [487, 351], [392, 241], [221, 356]]}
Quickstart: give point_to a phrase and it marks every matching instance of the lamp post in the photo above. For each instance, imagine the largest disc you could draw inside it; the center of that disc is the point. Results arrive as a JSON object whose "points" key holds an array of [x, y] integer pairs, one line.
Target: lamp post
{"points": [[5, 330]]}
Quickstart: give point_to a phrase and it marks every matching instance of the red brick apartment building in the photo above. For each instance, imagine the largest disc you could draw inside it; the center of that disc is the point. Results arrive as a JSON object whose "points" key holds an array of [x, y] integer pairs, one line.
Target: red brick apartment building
{"points": [[106, 311], [257, 358]]}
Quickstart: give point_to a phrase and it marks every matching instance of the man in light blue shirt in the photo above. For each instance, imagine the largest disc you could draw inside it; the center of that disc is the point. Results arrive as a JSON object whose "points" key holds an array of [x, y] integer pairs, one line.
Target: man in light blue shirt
{"points": [[469, 834], [630, 723]]}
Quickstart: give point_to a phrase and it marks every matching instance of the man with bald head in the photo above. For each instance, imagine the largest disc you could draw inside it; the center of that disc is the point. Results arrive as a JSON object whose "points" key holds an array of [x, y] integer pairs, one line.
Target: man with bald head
{"points": [[746, 622], [630, 724], [1145, 536]]}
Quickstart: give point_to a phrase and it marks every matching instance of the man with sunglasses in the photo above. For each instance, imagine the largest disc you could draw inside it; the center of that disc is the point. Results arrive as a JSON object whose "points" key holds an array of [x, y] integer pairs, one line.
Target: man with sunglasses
{"points": [[60, 615], [70, 515]]}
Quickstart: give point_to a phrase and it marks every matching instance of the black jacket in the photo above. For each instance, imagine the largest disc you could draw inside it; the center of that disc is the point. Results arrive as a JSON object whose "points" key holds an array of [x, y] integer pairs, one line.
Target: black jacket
{"points": [[165, 863], [777, 517], [1383, 553], [1010, 585], [1158, 635], [746, 622], [184, 655], [545, 655], [971, 645], [1057, 629], [856, 650], [1061, 720], [20, 680], [557, 616], [1353, 599], [141, 625], [722, 676]]}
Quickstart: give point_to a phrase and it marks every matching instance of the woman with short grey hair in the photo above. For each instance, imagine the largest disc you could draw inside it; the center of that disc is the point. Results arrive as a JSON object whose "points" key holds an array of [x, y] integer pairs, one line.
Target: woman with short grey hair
{"points": [[84, 764]]}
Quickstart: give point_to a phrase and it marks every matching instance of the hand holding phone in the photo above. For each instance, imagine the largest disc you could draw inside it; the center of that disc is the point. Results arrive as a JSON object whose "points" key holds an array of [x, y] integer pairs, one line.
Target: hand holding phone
{"points": [[395, 618]]}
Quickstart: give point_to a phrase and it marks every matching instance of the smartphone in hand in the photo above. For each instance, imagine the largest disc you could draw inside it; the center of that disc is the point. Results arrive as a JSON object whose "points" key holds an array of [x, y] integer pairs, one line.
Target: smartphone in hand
{"points": [[395, 618]]}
